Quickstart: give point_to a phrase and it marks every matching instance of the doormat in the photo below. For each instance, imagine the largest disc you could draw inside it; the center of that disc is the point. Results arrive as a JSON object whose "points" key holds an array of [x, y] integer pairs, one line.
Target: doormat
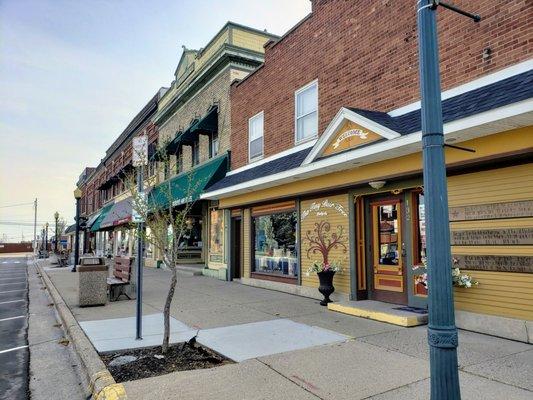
{"points": [[416, 310]]}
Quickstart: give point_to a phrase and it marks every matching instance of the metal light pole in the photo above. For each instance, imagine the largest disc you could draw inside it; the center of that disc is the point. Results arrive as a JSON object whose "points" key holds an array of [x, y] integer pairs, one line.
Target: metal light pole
{"points": [[56, 217], [46, 237], [442, 333], [35, 228], [77, 196]]}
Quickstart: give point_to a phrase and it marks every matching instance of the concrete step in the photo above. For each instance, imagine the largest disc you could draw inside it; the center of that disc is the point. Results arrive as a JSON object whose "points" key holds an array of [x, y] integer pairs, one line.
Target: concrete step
{"points": [[190, 270], [379, 311]]}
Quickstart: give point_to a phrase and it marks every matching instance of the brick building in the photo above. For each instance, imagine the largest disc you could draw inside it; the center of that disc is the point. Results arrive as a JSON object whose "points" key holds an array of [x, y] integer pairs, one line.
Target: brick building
{"points": [[193, 121], [326, 160]]}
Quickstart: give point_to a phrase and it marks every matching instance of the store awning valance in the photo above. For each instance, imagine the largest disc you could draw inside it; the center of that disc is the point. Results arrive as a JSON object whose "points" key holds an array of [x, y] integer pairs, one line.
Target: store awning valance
{"points": [[93, 219], [70, 229], [119, 214], [207, 124], [188, 186], [97, 224], [182, 138]]}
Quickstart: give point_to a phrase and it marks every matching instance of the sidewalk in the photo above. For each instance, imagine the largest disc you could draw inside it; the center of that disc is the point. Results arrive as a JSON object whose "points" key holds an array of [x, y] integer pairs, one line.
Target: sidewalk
{"points": [[379, 361]]}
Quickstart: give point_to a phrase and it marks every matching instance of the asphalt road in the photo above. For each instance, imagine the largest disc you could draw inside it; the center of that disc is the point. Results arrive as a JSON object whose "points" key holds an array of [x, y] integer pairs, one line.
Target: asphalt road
{"points": [[14, 352]]}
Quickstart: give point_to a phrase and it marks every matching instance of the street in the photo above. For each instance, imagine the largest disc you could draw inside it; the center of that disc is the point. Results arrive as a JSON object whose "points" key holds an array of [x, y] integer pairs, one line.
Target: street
{"points": [[14, 352]]}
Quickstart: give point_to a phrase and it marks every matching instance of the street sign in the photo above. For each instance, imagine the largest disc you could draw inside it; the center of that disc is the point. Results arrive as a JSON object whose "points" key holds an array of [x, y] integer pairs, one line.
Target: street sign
{"points": [[140, 151]]}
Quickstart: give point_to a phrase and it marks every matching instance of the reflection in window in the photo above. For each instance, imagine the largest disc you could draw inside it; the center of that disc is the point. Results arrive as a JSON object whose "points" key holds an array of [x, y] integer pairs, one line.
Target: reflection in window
{"points": [[420, 258], [275, 244], [388, 234]]}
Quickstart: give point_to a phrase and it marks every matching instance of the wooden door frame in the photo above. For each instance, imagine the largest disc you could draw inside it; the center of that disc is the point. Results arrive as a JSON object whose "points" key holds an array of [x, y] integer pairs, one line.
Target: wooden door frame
{"points": [[377, 294]]}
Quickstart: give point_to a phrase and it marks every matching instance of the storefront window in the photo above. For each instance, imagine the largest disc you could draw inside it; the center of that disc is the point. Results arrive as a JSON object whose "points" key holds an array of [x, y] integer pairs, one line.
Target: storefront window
{"points": [[275, 244], [388, 234], [216, 236], [420, 257], [192, 236]]}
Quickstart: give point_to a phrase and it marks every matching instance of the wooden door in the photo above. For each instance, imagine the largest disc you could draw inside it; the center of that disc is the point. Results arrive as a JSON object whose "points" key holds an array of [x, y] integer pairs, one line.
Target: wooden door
{"points": [[236, 248], [387, 251]]}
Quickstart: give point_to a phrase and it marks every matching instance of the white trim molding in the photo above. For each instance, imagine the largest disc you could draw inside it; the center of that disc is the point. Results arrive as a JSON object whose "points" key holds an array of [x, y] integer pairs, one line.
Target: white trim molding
{"points": [[342, 115], [504, 118]]}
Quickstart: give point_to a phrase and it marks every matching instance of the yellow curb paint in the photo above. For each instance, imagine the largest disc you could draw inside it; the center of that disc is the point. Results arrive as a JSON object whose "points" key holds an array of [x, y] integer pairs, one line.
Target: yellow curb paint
{"points": [[378, 315], [115, 391]]}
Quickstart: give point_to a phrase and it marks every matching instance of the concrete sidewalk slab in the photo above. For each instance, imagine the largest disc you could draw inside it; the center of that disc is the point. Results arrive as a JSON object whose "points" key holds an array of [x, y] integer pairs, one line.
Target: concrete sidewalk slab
{"points": [[515, 369], [250, 380], [243, 342], [350, 370], [472, 388], [119, 333], [473, 347]]}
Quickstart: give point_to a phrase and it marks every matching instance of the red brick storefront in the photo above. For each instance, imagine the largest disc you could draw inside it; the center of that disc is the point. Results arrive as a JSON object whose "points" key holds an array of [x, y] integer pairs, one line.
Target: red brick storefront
{"points": [[364, 55]]}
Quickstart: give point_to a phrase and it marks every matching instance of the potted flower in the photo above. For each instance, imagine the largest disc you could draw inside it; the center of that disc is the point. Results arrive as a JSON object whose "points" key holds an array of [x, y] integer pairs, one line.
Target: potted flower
{"points": [[325, 271], [458, 278]]}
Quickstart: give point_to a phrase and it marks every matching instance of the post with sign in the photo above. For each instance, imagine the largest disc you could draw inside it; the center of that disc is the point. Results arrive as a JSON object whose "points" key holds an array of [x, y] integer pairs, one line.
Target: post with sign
{"points": [[139, 160]]}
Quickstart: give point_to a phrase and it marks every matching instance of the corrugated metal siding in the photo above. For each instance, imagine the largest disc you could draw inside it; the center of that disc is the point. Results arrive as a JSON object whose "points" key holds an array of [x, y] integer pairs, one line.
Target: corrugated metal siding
{"points": [[499, 293]]}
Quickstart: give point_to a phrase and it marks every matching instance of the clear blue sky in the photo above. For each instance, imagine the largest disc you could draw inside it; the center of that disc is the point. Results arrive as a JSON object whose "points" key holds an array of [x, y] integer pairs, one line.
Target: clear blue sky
{"points": [[74, 73]]}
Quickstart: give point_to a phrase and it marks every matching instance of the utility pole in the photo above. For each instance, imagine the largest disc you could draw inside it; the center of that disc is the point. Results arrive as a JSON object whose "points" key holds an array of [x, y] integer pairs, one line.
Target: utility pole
{"points": [[35, 227], [442, 332]]}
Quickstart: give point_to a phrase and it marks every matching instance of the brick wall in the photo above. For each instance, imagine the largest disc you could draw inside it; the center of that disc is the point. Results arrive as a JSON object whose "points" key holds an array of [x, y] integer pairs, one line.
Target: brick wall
{"points": [[217, 91], [364, 54]]}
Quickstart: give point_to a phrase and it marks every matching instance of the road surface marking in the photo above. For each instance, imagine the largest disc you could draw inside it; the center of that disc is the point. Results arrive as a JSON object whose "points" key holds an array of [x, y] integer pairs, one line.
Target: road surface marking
{"points": [[10, 318], [13, 349], [12, 283], [11, 301], [10, 291]]}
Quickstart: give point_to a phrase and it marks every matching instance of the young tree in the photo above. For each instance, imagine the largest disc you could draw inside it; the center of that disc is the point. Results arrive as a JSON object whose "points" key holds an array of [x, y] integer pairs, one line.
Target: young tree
{"points": [[164, 207]]}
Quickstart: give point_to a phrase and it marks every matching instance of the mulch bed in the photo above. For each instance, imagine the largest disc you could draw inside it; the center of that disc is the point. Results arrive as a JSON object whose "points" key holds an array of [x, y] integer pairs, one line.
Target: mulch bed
{"points": [[179, 357]]}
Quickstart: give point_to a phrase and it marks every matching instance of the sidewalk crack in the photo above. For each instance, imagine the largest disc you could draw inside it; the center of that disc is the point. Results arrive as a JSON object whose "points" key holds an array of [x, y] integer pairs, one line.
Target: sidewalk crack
{"points": [[289, 379]]}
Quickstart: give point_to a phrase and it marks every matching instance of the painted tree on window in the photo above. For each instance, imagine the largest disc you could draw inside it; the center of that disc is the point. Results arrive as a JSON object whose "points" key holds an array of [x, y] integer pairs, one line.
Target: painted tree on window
{"points": [[322, 240]]}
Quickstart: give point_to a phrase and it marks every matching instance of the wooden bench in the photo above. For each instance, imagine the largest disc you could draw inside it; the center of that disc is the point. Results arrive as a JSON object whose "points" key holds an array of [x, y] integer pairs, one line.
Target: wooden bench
{"points": [[121, 279]]}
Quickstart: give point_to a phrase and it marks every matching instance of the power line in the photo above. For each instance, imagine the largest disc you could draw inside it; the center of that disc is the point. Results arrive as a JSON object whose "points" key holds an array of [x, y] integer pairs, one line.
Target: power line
{"points": [[17, 205]]}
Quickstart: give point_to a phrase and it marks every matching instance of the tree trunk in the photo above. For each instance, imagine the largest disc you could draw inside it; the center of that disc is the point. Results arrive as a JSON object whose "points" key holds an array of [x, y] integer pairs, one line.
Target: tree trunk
{"points": [[166, 311]]}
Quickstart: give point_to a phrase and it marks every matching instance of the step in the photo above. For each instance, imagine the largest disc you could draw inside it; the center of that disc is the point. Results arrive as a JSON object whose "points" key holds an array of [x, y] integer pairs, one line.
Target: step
{"points": [[379, 311], [190, 270]]}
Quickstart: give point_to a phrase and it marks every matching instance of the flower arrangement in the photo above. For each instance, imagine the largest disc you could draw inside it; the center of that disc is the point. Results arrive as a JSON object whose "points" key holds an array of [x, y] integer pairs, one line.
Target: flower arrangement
{"points": [[317, 267], [458, 279]]}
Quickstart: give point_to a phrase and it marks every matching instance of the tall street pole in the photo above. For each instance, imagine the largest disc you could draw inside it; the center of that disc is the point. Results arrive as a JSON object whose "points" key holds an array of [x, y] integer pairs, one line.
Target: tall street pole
{"points": [[77, 196], [140, 258], [35, 227]]}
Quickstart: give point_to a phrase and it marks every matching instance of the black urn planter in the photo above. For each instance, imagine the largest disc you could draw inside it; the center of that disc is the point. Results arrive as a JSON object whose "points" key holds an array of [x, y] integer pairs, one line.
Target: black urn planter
{"points": [[326, 285]]}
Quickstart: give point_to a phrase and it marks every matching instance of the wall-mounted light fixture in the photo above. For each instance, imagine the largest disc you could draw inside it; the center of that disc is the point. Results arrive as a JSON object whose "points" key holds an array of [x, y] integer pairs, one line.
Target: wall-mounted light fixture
{"points": [[377, 184]]}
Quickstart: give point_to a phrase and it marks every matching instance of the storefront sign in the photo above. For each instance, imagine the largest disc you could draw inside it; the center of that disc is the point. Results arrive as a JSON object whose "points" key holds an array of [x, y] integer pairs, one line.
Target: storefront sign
{"points": [[140, 150], [511, 236], [321, 208], [513, 209], [348, 134], [522, 264]]}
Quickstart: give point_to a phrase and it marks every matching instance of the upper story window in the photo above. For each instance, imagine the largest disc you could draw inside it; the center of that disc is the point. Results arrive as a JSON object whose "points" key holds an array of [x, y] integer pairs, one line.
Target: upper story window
{"points": [[255, 136], [196, 153], [215, 144], [306, 112]]}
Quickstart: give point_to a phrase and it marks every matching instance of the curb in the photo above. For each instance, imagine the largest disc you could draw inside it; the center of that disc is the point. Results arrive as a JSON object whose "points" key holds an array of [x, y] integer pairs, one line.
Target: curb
{"points": [[102, 385]]}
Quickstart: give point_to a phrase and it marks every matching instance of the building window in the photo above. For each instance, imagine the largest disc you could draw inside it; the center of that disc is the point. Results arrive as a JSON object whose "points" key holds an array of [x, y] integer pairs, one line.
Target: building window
{"points": [[216, 236], [195, 153], [306, 112], [215, 144], [179, 160], [255, 136], [274, 245], [420, 232]]}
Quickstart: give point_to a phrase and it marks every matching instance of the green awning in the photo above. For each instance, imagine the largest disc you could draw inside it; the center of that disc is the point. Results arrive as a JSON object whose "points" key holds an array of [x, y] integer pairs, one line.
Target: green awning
{"points": [[207, 124], [188, 186], [103, 213], [182, 138]]}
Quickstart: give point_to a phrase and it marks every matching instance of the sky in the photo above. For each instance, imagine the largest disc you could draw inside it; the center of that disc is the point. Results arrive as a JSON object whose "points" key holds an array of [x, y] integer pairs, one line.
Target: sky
{"points": [[74, 73]]}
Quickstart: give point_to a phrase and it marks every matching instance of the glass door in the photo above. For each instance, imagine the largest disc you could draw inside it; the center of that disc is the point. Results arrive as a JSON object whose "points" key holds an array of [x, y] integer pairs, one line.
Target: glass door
{"points": [[389, 278]]}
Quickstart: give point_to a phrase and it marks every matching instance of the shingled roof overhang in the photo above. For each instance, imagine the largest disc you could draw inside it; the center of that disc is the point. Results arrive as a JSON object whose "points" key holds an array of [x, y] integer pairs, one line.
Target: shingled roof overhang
{"points": [[503, 105]]}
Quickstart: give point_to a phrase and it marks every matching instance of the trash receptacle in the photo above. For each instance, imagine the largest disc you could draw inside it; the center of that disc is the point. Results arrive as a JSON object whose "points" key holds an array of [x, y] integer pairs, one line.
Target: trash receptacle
{"points": [[92, 281]]}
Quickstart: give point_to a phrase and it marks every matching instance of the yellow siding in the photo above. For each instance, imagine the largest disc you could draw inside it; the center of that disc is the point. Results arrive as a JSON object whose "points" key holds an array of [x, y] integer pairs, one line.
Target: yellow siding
{"points": [[246, 243], [249, 40], [489, 146], [498, 293], [339, 254]]}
